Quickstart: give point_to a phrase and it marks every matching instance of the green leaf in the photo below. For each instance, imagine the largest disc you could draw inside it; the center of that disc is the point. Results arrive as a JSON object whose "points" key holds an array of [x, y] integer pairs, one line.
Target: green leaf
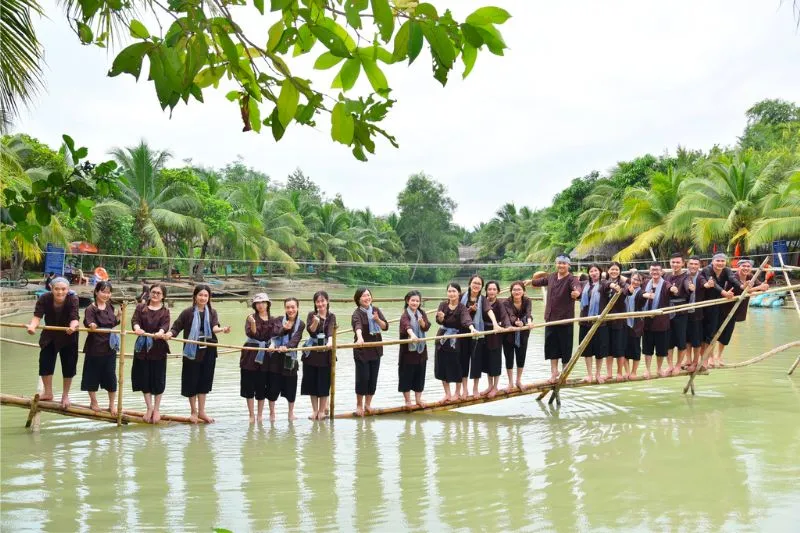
{"points": [[232, 96], [277, 129], [305, 40], [493, 39], [414, 41], [129, 60], [138, 30], [427, 10], [18, 213], [224, 40], [259, 5], [69, 142], [255, 114], [38, 186], [274, 35], [471, 35], [209, 76], [326, 60], [342, 125], [376, 77], [384, 18], [277, 5], [287, 102], [81, 153], [401, 41], [84, 207], [468, 56], [348, 75], [440, 44], [488, 15], [352, 12], [42, 212], [84, 33], [332, 42]]}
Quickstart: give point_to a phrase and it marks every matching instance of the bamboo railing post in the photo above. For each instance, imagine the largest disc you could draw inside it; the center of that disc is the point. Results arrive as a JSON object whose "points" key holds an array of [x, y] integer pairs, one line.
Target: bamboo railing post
{"points": [[333, 372], [796, 306], [710, 349], [34, 410], [121, 378], [579, 352]]}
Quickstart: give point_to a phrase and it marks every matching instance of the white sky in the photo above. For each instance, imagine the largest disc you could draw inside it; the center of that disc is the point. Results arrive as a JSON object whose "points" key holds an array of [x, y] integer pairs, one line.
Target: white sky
{"points": [[585, 84]]}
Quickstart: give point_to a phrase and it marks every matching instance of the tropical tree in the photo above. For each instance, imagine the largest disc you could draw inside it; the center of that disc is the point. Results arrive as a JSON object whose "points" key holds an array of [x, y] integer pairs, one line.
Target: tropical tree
{"points": [[20, 63], [157, 211], [779, 214], [723, 205]]}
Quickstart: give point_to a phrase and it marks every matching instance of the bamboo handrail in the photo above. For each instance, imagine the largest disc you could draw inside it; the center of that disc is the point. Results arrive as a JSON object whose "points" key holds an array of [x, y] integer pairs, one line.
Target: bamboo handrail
{"points": [[332, 398], [710, 348], [121, 377], [565, 372], [796, 306], [545, 386], [612, 316]]}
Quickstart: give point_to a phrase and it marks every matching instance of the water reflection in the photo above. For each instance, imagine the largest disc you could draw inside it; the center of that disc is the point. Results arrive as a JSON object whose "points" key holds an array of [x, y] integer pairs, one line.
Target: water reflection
{"points": [[318, 470], [413, 466], [368, 492], [150, 482]]}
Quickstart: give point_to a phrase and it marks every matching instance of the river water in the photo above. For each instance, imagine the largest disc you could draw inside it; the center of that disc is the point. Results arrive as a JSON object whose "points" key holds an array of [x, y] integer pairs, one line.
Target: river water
{"points": [[633, 457]]}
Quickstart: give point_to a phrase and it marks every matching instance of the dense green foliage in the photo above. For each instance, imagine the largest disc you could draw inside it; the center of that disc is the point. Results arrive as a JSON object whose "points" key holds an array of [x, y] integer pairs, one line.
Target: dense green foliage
{"points": [[747, 196]]}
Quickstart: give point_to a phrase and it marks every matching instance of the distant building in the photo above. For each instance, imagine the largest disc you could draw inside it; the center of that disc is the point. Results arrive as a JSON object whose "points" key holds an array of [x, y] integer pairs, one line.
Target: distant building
{"points": [[467, 254]]}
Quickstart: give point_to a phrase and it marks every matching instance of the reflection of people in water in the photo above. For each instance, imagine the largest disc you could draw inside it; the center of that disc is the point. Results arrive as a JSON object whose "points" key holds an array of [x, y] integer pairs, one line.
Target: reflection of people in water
{"points": [[150, 464], [317, 457], [102, 466], [367, 483], [281, 484], [414, 485], [200, 481]]}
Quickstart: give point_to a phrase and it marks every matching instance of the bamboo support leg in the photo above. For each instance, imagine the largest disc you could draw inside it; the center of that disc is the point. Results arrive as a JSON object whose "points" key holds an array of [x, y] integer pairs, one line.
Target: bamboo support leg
{"points": [[121, 377], [739, 299], [796, 306], [34, 411], [333, 374]]}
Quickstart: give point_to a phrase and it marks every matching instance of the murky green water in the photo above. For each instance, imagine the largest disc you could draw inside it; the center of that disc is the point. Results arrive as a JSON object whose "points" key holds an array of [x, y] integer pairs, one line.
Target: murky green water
{"points": [[637, 457]]}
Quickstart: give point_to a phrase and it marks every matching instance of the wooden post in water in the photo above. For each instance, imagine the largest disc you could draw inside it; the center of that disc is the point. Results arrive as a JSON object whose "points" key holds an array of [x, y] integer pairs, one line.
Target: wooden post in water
{"points": [[579, 352], [34, 410], [710, 349], [333, 372], [121, 377], [796, 306]]}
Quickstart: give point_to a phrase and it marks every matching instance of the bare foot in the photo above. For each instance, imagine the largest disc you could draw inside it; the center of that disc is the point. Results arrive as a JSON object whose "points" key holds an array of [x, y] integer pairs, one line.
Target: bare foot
{"points": [[634, 377], [272, 417], [156, 417], [94, 407], [492, 393], [368, 410], [601, 379], [621, 377], [113, 410], [676, 371], [205, 418], [148, 416], [65, 403], [192, 418], [476, 393], [609, 377], [554, 378], [409, 404], [252, 420], [261, 419], [313, 416], [422, 404], [463, 396], [663, 373], [519, 385], [46, 398], [446, 399], [587, 379], [292, 417], [720, 363], [359, 411], [646, 374], [487, 391]]}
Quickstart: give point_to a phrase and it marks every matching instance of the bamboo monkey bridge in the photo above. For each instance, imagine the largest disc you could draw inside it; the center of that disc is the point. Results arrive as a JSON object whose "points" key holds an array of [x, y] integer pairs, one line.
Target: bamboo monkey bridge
{"points": [[35, 405]]}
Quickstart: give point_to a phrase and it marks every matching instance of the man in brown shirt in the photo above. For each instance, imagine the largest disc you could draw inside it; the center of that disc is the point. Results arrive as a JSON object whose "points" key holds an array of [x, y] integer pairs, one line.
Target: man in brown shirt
{"points": [[563, 290]]}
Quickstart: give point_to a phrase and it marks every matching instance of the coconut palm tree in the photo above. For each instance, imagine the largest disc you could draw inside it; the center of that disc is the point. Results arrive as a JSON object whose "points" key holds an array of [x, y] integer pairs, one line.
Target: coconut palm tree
{"points": [[20, 62], [601, 214], [723, 205], [780, 214], [157, 211]]}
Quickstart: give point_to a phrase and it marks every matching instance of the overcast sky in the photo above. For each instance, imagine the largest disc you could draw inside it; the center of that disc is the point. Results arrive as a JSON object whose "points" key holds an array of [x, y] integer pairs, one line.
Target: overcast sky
{"points": [[584, 84]]}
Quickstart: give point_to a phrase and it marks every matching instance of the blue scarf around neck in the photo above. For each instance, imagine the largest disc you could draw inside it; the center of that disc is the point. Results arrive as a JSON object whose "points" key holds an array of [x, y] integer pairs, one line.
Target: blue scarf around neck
{"points": [[593, 300], [190, 350], [283, 340], [693, 296], [653, 304], [374, 328], [477, 320], [630, 305], [418, 347]]}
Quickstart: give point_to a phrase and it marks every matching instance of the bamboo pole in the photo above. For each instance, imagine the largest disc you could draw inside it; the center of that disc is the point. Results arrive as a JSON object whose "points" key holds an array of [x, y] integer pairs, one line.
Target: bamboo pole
{"points": [[544, 386], [333, 373], [710, 348], [121, 378], [579, 352], [796, 306], [33, 411]]}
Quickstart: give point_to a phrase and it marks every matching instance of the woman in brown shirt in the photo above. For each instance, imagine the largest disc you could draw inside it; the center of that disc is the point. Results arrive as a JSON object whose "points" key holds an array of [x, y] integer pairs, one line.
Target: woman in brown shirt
{"points": [[494, 313], [59, 307], [149, 369], [198, 323], [453, 317], [413, 359], [515, 345], [320, 324], [594, 298], [99, 365], [282, 363], [259, 328], [368, 322]]}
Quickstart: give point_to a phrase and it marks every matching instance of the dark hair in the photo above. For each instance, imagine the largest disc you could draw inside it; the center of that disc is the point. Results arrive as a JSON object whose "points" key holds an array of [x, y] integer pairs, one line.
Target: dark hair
{"points": [[583, 277], [637, 275], [196, 291], [694, 258], [455, 285], [321, 294], [269, 306], [100, 287], [491, 282], [594, 265], [160, 286], [411, 293], [359, 293], [616, 264], [469, 290], [511, 289], [655, 264], [676, 255], [292, 299], [745, 258]]}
